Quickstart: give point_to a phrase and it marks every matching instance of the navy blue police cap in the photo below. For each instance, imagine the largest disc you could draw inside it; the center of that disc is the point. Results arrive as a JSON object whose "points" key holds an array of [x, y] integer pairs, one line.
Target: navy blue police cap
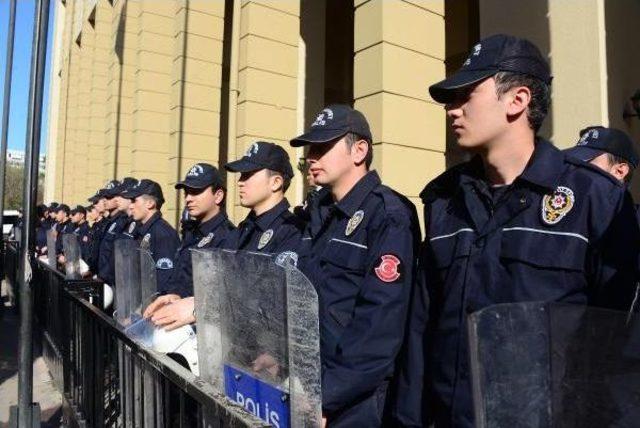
{"points": [[78, 209], [261, 155], [52, 206], [144, 187], [63, 207], [111, 189], [490, 56], [200, 176], [596, 140], [126, 184], [332, 123]]}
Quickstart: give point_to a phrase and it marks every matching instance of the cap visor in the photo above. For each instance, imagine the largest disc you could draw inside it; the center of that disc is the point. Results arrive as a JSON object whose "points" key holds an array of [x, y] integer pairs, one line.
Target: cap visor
{"points": [[583, 153], [445, 91], [242, 165], [186, 185], [316, 136]]}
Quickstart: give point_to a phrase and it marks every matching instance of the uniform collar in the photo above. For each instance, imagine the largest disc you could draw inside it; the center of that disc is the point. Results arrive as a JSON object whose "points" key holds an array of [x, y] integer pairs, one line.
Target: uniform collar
{"points": [[356, 196], [144, 228], [212, 224], [544, 168], [264, 220]]}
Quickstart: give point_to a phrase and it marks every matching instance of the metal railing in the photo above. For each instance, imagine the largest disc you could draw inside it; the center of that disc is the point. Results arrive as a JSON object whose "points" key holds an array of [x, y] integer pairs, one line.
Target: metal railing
{"points": [[107, 379]]}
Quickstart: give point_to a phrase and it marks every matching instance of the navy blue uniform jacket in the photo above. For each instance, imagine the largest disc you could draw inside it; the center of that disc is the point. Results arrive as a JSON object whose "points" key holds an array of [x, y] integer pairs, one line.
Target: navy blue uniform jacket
{"points": [[213, 233], [360, 255], [161, 240]]}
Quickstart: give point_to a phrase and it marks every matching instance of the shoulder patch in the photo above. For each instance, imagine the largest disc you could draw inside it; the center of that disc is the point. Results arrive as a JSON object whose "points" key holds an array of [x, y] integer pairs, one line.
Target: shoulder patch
{"points": [[389, 269], [164, 263]]}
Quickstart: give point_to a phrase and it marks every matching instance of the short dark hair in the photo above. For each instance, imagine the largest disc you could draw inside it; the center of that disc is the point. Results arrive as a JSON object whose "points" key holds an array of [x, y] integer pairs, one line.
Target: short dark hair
{"points": [[540, 94], [613, 159], [156, 200], [351, 139], [286, 181]]}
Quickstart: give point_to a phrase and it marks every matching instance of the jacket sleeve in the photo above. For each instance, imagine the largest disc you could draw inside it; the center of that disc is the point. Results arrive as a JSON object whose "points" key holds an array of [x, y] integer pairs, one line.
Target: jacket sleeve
{"points": [[166, 244]]}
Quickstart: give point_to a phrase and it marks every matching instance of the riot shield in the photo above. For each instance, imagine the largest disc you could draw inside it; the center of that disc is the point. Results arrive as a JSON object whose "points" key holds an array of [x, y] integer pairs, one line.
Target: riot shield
{"points": [[51, 248], [127, 272], [71, 251], [554, 365], [258, 334], [148, 281]]}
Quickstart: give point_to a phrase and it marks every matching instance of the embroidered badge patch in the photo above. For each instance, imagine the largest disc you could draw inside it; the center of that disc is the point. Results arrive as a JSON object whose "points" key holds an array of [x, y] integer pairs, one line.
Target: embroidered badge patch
{"points": [[287, 257], [146, 241], [388, 270], [131, 227], [204, 241], [113, 226], [354, 222], [557, 205], [164, 263], [265, 238]]}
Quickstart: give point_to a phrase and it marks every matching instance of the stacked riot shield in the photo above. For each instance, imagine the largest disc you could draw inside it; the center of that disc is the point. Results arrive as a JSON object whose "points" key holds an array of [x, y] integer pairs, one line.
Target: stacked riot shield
{"points": [[554, 365], [258, 334], [72, 257], [51, 249]]}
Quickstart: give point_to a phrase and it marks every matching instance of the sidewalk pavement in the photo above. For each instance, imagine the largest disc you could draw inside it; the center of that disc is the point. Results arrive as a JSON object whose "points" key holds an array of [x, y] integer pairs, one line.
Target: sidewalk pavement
{"points": [[44, 392]]}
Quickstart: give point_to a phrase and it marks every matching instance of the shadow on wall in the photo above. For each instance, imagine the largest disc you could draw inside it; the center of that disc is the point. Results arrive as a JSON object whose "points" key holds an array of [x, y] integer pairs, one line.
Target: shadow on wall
{"points": [[623, 68]]}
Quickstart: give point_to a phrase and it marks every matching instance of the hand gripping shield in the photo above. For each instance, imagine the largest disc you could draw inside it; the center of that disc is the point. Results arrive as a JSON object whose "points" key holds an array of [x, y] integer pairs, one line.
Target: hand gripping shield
{"points": [[71, 250], [554, 365], [258, 334]]}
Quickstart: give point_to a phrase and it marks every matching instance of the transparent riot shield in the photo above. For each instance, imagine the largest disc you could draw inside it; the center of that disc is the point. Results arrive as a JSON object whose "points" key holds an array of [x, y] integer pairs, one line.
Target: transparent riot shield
{"points": [[554, 365], [71, 250], [51, 248], [127, 273], [258, 334], [148, 281]]}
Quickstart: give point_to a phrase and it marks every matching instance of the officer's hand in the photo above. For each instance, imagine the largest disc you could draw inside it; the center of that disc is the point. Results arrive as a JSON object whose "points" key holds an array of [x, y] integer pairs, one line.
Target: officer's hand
{"points": [[266, 362], [158, 303], [176, 314]]}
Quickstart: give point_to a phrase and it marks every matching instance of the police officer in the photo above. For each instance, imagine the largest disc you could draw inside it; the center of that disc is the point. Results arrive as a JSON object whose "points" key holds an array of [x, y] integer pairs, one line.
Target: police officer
{"points": [[42, 214], [118, 207], [268, 228], [609, 149], [520, 221], [153, 232], [362, 241], [98, 227], [204, 196], [63, 225], [265, 175], [81, 230]]}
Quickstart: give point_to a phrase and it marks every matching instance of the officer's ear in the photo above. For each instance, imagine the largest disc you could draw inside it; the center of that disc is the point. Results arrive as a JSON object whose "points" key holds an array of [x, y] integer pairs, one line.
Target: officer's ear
{"points": [[620, 170], [218, 196], [276, 182], [359, 151], [518, 99]]}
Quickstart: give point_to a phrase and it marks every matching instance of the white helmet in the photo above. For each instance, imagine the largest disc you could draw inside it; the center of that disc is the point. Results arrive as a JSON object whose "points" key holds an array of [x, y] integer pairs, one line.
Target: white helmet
{"points": [[182, 341], [107, 296]]}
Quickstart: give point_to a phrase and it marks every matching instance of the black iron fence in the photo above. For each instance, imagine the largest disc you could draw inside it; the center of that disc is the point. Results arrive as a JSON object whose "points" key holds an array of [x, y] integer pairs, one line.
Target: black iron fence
{"points": [[107, 379]]}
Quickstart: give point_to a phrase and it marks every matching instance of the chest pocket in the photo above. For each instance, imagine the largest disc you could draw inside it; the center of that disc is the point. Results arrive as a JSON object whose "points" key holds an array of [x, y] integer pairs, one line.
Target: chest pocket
{"points": [[546, 249], [349, 256], [447, 248]]}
